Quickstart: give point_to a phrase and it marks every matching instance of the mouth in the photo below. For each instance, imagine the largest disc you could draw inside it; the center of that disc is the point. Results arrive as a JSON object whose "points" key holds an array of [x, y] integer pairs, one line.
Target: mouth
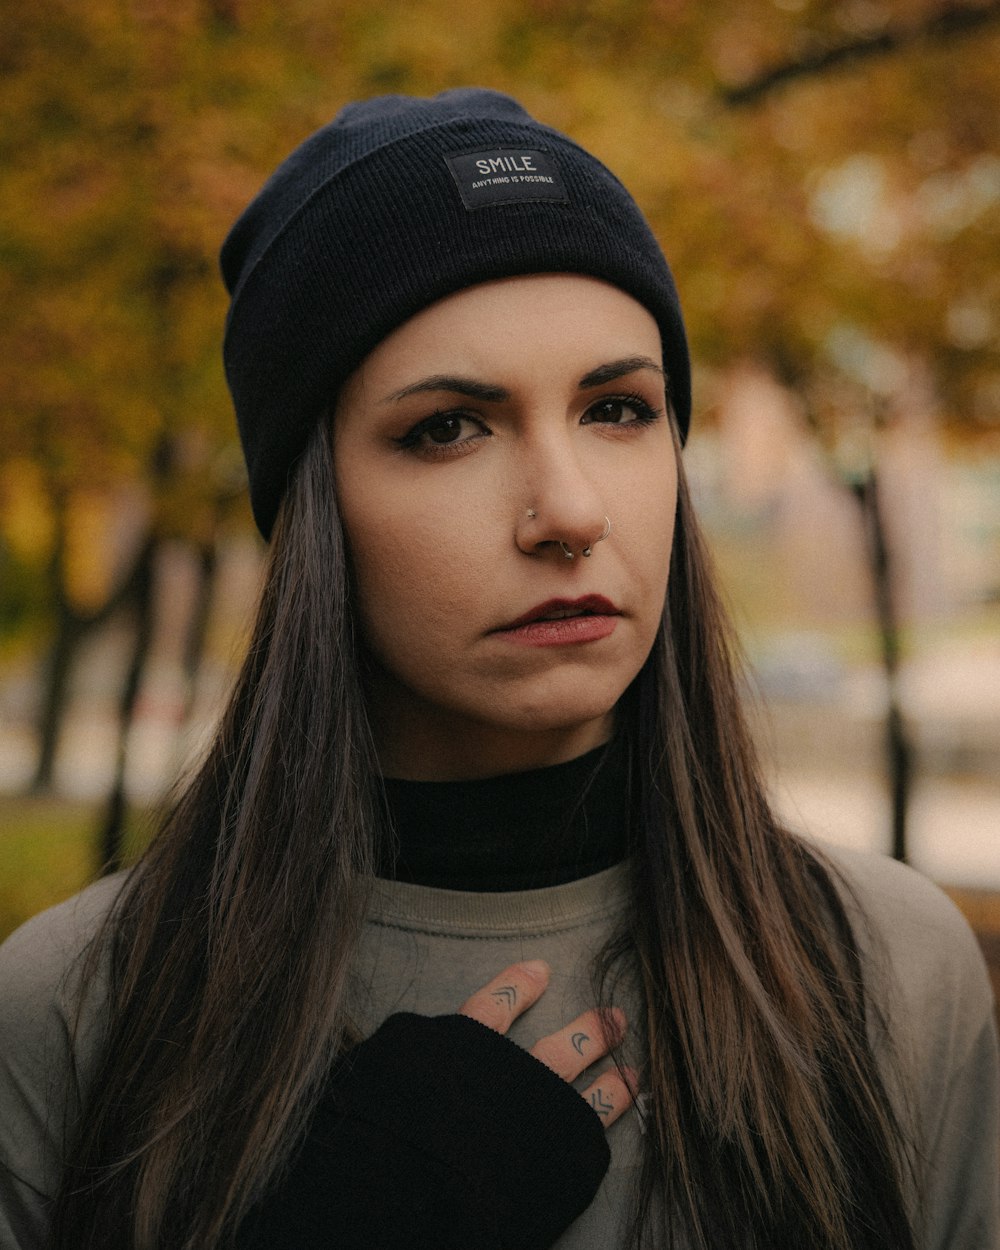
{"points": [[563, 610]]}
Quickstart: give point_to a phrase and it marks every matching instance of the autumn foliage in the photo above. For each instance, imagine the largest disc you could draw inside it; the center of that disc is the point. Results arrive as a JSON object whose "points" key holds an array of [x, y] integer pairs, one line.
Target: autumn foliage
{"points": [[824, 178]]}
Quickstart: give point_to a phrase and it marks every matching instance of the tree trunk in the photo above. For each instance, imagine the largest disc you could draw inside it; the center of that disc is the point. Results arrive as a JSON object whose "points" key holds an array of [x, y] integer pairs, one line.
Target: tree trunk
{"points": [[194, 644], [112, 835], [70, 631], [899, 752]]}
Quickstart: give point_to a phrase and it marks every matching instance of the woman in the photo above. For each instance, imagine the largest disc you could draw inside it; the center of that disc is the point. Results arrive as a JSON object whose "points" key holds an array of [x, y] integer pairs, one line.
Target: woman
{"points": [[484, 772]]}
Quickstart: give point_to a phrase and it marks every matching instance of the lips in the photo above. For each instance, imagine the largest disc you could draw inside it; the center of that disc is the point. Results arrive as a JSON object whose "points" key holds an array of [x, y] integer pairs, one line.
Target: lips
{"points": [[564, 609]]}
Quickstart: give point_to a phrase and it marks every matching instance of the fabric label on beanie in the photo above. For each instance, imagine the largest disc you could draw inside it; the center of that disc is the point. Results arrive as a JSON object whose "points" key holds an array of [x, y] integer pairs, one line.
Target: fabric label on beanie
{"points": [[506, 176]]}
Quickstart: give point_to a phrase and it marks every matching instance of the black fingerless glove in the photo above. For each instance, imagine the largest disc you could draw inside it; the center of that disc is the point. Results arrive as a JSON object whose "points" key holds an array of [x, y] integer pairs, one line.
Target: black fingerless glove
{"points": [[436, 1132]]}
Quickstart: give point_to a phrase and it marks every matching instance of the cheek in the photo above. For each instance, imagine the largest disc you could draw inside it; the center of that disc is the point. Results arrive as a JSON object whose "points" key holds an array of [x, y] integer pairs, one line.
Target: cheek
{"points": [[418, 584], [650, 512]]}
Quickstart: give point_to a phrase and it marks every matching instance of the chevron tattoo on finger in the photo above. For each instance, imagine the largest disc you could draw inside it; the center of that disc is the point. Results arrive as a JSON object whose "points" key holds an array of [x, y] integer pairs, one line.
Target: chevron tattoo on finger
{"points": [[507, 995], [601, 1104], [578, 1041]]}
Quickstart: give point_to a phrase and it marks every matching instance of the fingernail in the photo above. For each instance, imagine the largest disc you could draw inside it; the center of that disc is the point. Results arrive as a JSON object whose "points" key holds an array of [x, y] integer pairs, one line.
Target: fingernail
{"points": [[536, 968]]}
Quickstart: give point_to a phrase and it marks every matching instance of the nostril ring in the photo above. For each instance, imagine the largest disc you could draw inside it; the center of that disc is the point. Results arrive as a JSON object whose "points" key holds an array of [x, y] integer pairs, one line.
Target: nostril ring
{"points": [[604, 533], [566, 551]]}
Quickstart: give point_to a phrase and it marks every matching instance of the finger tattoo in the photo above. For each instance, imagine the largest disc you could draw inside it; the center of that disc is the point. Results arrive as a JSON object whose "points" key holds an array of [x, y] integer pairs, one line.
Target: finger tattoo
{"points": [[507, 995], [601, 1104], [578, 1041]]}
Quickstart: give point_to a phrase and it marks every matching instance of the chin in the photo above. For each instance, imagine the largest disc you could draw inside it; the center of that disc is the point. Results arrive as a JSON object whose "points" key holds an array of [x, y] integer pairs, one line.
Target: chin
{"points": [[557, 716]]}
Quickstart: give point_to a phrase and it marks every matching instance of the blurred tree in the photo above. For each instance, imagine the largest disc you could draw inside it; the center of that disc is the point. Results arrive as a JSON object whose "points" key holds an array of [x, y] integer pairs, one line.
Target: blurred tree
{"points": [[123, 140], [824, 176]]}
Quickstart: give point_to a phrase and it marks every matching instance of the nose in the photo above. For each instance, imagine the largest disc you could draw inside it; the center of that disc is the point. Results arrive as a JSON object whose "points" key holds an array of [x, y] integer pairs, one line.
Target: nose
{"points": [[564, 513]]}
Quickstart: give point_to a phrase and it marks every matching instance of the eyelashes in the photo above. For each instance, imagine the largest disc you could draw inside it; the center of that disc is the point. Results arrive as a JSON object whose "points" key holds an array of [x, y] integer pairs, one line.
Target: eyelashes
{"points": [[644, 413], [448, 431], [441, 431]]}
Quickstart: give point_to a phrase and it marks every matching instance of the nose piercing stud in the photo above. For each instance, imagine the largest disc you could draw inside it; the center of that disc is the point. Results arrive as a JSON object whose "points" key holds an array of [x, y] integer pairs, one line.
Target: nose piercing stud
{"points": [[532, 514], [606, 531]]}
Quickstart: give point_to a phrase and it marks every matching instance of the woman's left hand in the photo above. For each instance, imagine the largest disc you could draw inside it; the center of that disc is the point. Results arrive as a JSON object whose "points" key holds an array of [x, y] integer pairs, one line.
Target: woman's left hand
{"points": [[567, 1052]]}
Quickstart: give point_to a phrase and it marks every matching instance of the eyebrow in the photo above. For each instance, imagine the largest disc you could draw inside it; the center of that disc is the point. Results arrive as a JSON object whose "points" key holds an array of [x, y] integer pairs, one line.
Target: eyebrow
{"points": [[619, 369], [457, 385], [491, 394]]}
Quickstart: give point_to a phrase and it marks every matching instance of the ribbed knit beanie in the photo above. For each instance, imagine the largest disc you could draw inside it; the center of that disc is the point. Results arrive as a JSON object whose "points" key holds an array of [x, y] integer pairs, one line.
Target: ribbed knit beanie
{"points": [[394, 204]]}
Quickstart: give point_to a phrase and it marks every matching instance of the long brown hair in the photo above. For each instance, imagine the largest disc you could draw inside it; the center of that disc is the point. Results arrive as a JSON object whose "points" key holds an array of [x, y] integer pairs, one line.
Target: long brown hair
{"points": [[229, 949], [769, 1124]]}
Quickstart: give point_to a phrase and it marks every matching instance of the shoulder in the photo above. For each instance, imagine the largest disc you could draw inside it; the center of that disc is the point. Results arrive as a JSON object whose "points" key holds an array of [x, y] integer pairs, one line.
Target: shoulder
{"points": [[50, 1015], [933, 1026], [50, 1029], [931, 1005], [38, 960], [910, 933]]}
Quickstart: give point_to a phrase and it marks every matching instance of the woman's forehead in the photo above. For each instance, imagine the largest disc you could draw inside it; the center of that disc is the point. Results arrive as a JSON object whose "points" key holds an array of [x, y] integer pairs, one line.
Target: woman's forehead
{"points": [[558, 322]]}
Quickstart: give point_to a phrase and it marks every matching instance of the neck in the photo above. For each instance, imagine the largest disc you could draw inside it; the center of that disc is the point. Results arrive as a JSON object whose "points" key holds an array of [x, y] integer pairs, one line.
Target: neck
{"points": [[523, 831]]}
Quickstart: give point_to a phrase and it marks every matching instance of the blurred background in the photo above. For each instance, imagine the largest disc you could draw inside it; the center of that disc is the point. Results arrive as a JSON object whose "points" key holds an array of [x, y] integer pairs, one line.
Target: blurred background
{"points": [[824, 176]]}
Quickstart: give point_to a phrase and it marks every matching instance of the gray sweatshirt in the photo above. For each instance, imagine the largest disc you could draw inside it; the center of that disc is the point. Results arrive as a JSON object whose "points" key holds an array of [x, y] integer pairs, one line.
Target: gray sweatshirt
{"points": [[425, 950]]}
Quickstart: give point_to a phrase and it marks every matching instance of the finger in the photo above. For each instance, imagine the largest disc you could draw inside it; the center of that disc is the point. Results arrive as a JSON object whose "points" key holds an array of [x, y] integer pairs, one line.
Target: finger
{"points": [[498, 1004], [582, 1042], [612, 1094]]}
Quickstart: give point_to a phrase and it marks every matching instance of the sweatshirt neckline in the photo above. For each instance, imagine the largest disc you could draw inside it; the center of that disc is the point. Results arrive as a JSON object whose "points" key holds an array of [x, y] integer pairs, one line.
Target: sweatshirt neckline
{"points": [[467, 913]]}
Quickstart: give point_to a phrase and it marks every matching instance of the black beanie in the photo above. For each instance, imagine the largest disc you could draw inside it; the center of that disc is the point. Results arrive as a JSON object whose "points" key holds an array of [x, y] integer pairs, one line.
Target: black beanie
{"points": [[396, 203]]}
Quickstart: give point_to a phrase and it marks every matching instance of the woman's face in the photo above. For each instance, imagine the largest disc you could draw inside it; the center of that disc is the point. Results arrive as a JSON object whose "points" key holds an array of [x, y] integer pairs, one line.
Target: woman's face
{"points": [[494, 426]]}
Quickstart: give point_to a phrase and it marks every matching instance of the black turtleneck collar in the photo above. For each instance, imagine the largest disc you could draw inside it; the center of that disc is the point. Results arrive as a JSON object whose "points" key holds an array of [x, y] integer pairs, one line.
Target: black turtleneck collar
{"points": [[519, 832]]}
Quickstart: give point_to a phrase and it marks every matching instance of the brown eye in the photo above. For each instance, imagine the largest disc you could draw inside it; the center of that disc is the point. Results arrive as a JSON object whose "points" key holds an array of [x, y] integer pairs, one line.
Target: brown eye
{"points": [[621, 410], [445, 430], [614, 410]]}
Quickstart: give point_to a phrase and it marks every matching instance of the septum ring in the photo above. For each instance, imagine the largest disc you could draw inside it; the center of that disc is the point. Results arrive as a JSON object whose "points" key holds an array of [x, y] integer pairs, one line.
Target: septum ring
{"points": [[589, 547]]}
